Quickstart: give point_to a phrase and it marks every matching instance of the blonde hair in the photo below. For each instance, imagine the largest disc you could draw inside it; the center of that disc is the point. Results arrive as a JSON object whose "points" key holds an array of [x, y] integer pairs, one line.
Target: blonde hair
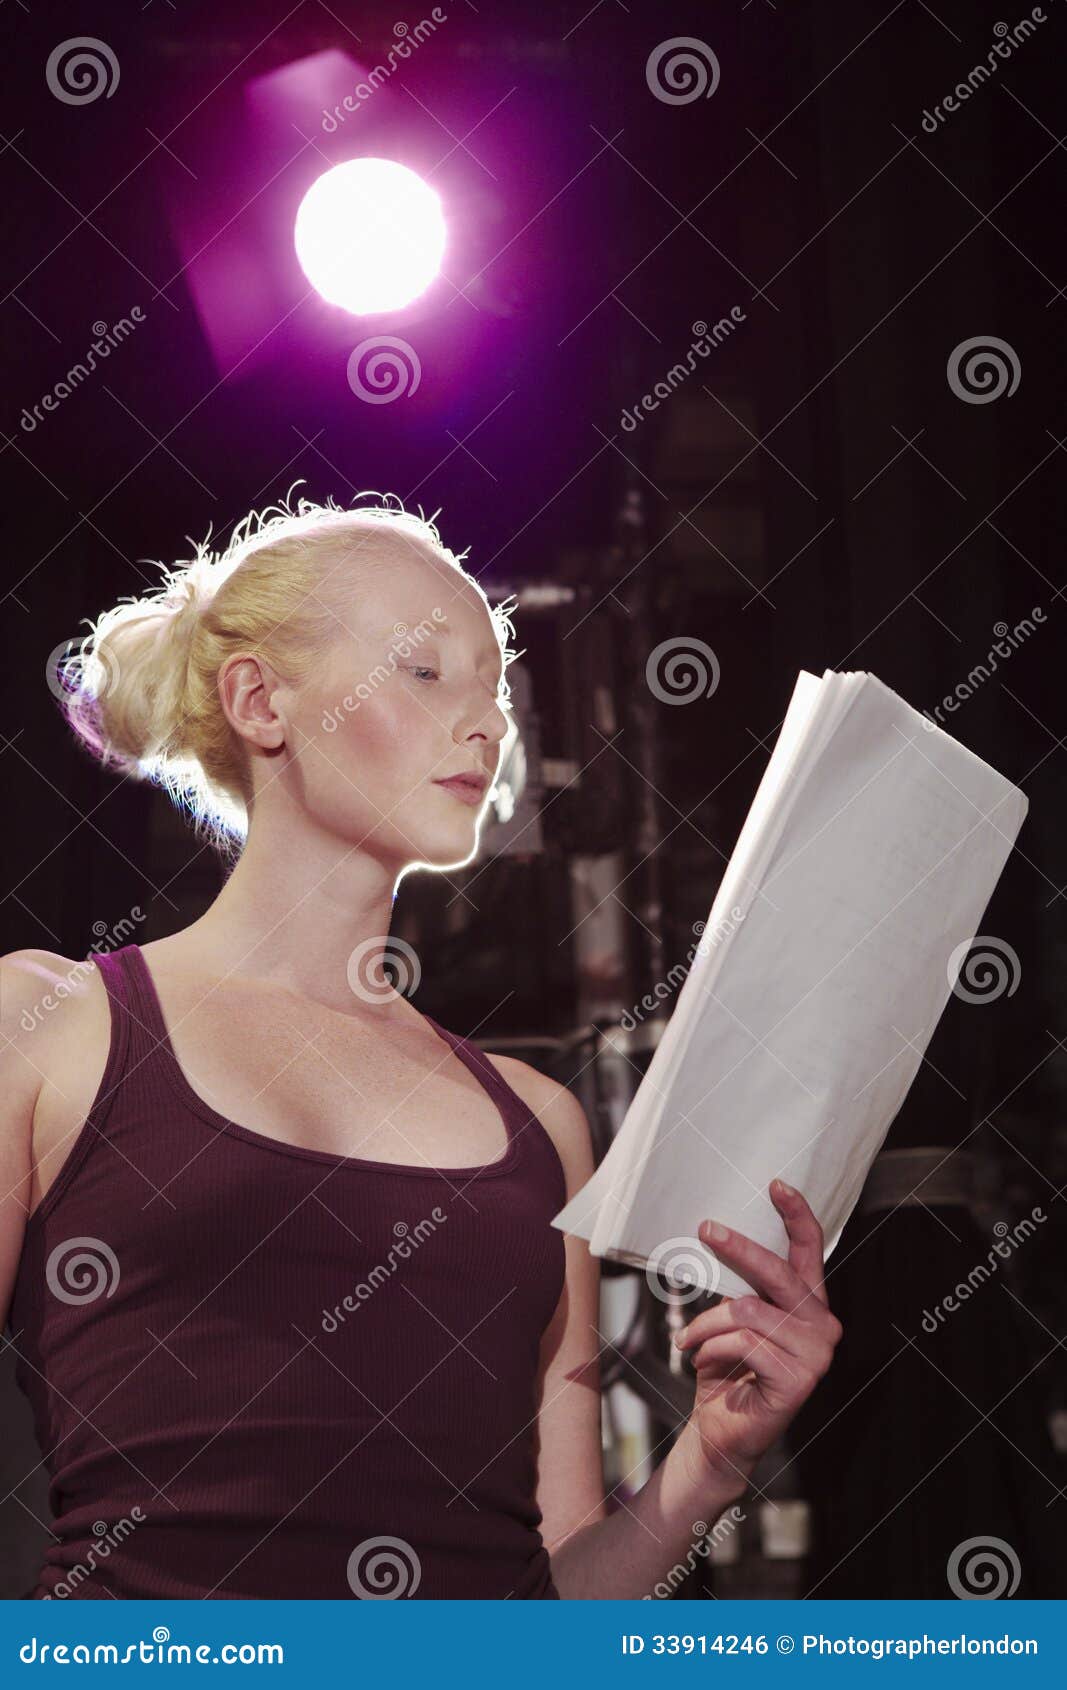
{"points": [[141, 690]]}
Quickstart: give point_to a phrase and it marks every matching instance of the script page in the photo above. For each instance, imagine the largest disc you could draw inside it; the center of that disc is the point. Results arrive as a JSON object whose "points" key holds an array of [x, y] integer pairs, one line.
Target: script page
{"points": [[810, 1032]]}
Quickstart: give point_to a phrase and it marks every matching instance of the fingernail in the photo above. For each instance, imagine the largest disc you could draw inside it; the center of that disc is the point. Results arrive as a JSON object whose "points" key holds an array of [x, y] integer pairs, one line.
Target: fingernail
{"points": [[680, 1337], [789, 1190], [716, 1232]]}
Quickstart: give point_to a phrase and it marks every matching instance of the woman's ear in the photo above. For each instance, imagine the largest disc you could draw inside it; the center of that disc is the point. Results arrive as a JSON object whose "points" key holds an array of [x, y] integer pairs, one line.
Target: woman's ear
{"points": [[249, 691]]}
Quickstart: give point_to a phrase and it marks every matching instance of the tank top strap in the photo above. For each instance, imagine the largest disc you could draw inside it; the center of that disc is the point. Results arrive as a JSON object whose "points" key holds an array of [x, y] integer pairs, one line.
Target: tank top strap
{"points": [[135, 1010]]}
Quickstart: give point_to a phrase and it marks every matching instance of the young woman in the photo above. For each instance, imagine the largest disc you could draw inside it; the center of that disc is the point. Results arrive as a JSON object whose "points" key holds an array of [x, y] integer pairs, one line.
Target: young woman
{"points": [[277, 1248]]}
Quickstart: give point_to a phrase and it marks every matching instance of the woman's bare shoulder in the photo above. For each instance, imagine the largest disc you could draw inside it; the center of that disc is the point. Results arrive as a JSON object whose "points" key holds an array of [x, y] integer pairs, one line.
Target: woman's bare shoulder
{"points": [[29, 976], [47, 1003], [559, 1112]]}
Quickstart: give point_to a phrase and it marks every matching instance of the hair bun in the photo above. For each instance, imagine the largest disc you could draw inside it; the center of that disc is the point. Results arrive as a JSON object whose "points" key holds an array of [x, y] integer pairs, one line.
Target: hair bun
{"points": [[186, 589], [142, 693]]}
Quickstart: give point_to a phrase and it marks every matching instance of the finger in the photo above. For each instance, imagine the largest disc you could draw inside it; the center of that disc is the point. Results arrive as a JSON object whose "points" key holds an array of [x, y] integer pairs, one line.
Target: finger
{"points": [[776, 1279], [799, 1337], [805, 1234], [774, 1369]]}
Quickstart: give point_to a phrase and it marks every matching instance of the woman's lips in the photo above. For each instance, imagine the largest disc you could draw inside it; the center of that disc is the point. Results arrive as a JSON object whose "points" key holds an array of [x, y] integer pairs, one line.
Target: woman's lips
{"points": [[466, 788]]}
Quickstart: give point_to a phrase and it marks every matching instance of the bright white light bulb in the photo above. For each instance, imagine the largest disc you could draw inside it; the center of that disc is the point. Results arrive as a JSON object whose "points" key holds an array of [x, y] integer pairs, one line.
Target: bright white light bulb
{"points": [[370, 235]]}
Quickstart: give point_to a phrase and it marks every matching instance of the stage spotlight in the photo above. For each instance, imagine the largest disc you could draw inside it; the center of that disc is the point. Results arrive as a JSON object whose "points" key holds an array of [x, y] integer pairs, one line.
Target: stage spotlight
{"points": [[370, 235]]}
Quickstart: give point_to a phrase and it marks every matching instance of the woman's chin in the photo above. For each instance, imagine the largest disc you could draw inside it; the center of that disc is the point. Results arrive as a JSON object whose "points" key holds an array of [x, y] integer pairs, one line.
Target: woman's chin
{"points": [[454, 848]]}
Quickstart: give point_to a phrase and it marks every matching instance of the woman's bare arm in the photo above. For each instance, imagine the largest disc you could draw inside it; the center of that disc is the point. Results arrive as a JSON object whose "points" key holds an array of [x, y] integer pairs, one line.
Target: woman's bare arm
{"points": [[595, 1554], [756, 1360]]}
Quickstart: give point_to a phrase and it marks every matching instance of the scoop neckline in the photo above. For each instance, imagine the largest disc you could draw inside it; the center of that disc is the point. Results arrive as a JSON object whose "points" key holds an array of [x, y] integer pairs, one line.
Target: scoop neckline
{"points": [[494, 1086]]}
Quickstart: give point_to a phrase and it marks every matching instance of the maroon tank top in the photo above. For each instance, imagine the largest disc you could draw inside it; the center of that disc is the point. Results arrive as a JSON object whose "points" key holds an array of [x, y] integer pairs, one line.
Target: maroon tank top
{"points": [[258, 1370]]}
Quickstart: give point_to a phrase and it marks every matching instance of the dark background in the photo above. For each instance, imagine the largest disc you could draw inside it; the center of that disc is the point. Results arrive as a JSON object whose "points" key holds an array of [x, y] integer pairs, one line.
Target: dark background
{"points": [[815, 496]]}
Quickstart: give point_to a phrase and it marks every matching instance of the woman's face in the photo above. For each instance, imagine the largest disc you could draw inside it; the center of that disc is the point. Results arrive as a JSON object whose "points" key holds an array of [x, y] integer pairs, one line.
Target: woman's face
{"points": [[408, 696]]}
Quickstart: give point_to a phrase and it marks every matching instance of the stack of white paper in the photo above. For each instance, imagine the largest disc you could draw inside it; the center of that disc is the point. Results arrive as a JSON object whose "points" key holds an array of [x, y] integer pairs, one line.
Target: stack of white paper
{"points": [[860, 877]]}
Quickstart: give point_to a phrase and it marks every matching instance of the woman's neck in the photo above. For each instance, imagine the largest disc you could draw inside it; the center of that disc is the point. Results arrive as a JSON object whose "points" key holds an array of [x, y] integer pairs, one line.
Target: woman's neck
{"points": [[310, 914]]}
